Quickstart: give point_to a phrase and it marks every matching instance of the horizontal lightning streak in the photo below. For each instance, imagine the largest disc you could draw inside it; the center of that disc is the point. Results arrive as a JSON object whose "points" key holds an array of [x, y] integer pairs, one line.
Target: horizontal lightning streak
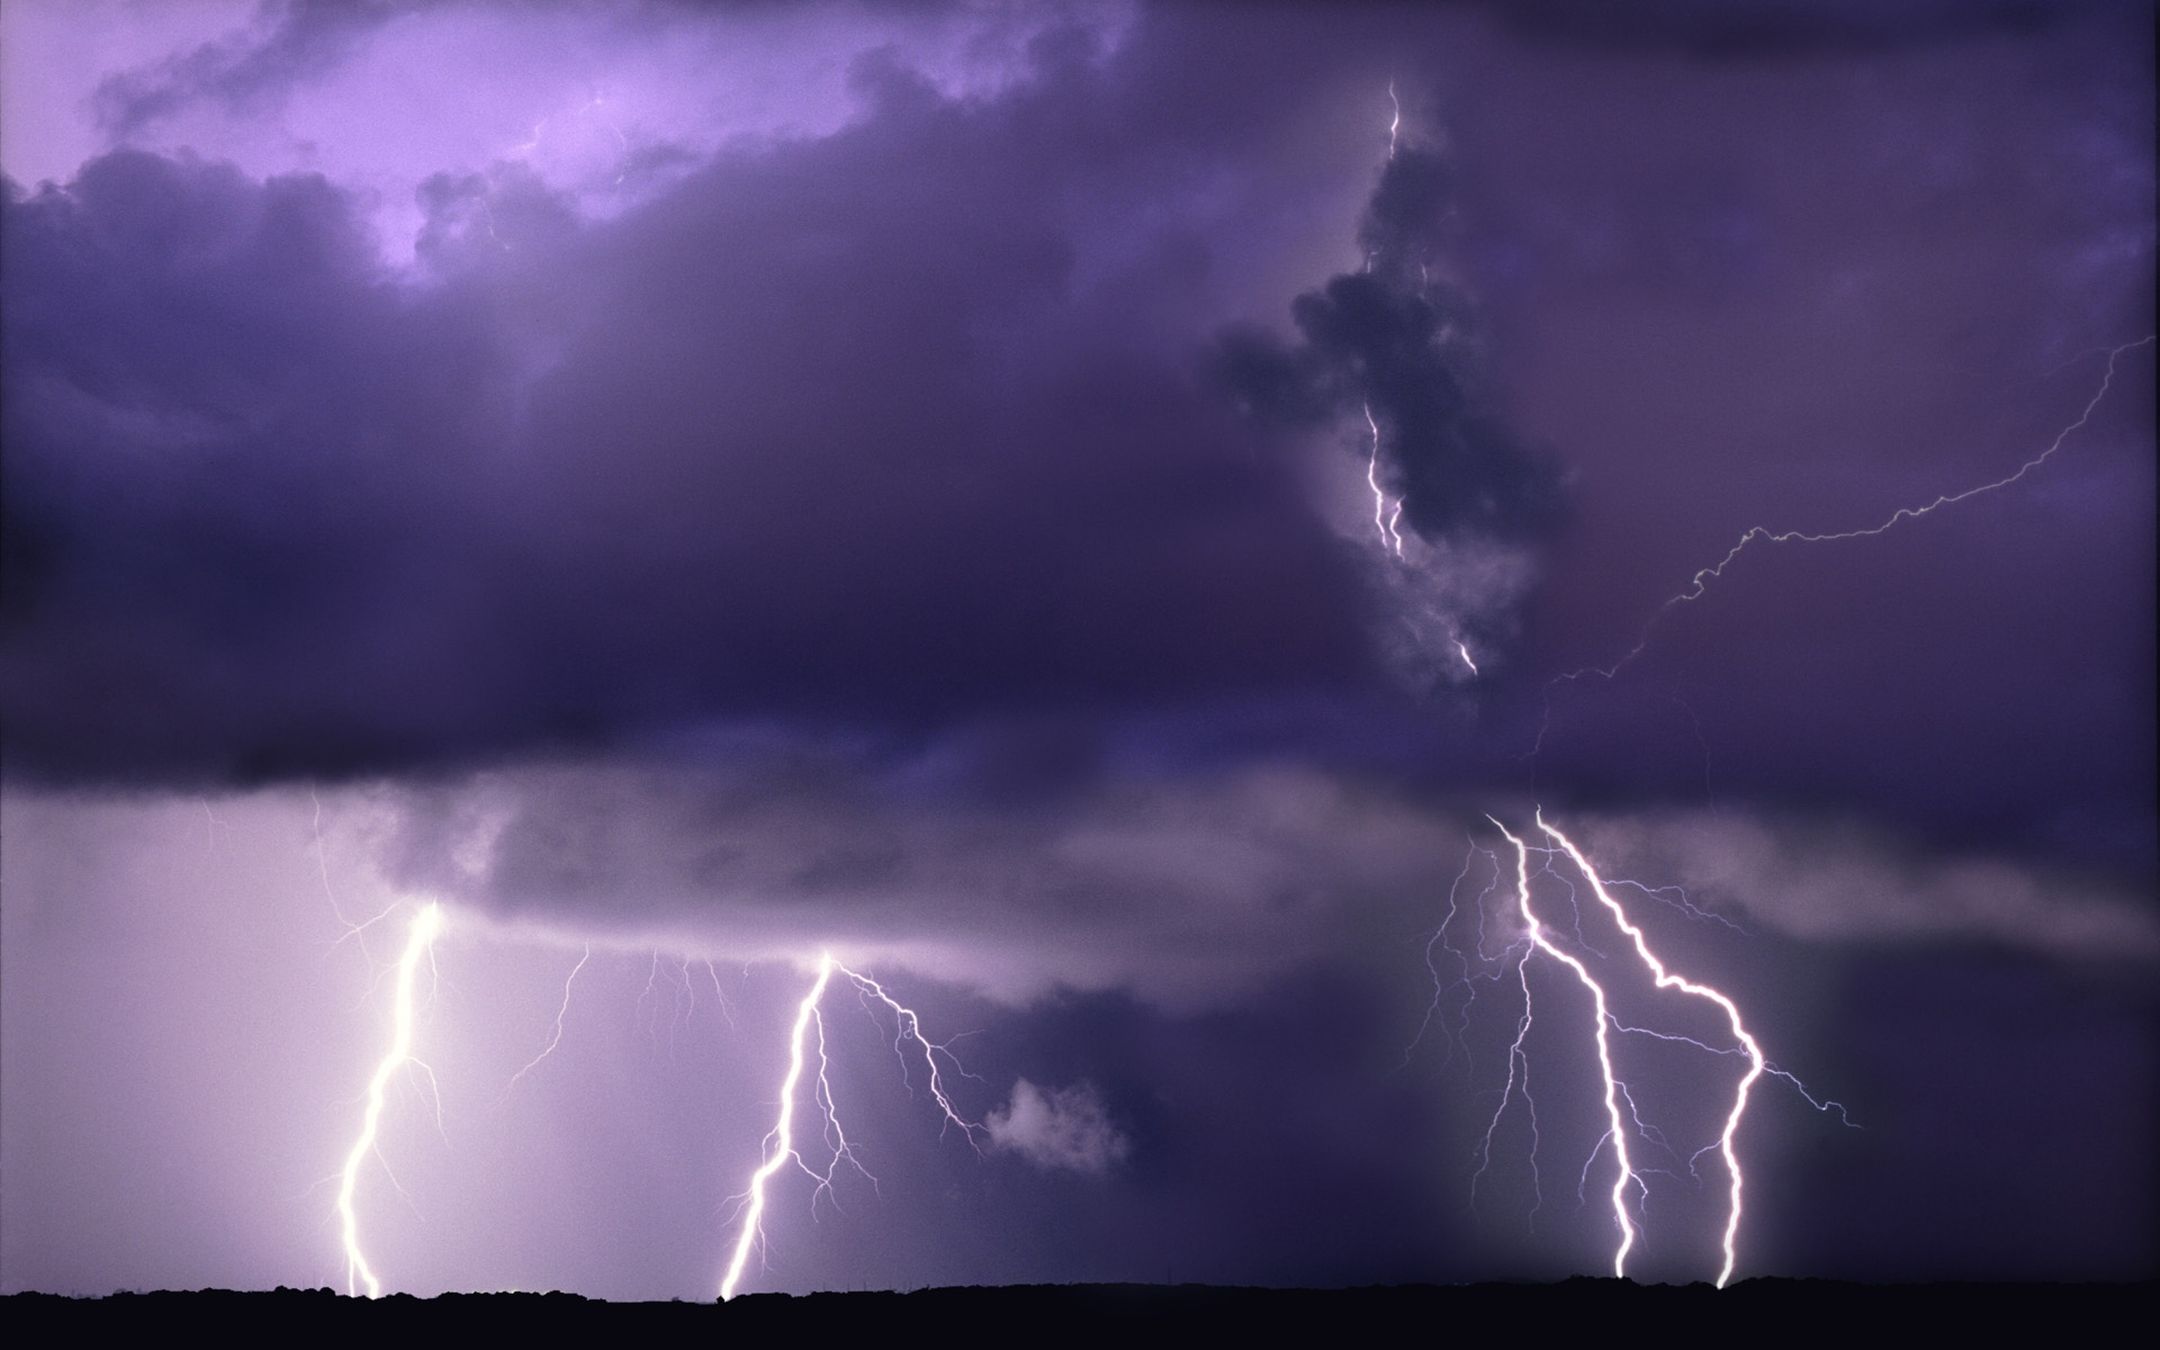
{"points": [[1700, 582]]}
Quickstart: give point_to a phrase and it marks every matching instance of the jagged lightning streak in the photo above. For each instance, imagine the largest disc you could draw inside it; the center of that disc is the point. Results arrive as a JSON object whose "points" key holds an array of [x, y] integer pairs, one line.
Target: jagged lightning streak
{"points": [[1700, 582], [779, 1145], [1382, 522], [1626, 1170], [419, 943], [1667, 980], [560, 1013], [907, 1025]]}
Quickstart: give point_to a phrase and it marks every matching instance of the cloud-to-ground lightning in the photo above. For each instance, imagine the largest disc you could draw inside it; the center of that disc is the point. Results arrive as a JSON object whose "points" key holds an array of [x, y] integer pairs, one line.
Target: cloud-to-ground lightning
{"points": [[1541, 935], [1667, 980], [1699, 584], [780, 1143], [419, 944], [1625, 1170], [779, 1147]]}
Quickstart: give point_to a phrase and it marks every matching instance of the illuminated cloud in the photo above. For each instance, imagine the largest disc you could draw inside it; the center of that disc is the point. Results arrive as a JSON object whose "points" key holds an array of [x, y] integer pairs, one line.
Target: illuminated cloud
{"points": [[1061, 1129]]}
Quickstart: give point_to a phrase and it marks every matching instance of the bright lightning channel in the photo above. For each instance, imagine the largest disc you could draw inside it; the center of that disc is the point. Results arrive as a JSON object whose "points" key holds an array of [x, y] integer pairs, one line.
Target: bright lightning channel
{"points": [[419, 943], [779, 1146], [1625, 1172], [1668, 980], [1382, 522]]}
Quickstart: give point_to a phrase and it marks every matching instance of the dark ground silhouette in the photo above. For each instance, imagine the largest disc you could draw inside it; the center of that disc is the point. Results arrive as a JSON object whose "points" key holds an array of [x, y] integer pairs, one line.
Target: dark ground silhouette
{"points": [[1783, 1308]]}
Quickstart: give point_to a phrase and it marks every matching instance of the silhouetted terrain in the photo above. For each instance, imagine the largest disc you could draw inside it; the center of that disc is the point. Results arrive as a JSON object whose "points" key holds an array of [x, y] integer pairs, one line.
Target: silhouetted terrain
{"points": [[1785, 1307]]}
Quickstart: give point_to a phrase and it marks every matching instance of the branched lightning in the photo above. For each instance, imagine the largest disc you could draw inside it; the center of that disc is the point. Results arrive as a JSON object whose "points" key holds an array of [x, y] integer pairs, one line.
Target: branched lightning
{"points": [[1667, 980], [1625, 1171], [779, 1148], [1541, 936], [907, 1026], [419, 943]]}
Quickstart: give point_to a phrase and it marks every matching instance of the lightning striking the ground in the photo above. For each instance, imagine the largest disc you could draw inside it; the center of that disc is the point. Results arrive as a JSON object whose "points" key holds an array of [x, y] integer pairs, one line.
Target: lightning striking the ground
{"points": [[1667, 980], [419, 944], [1624, 1174], [1535, 934], [780, 1148]]}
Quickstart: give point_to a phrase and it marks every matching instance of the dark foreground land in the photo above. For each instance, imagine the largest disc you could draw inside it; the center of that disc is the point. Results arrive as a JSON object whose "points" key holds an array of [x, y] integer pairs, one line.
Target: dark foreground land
{"points": [[1778, 1308]]}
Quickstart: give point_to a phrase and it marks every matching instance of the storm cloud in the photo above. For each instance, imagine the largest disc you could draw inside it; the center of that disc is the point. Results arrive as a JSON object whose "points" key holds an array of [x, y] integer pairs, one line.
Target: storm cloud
{"points": [[684, 486], [860, 428]]}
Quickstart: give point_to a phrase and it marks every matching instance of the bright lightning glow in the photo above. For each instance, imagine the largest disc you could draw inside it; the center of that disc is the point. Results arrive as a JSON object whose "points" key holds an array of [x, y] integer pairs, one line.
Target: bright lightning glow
{"points": [[1625, 1173], [1464, 653], [419, 942], [1394, 126], [1668, 980], [1389, 537], [780, 1144]]}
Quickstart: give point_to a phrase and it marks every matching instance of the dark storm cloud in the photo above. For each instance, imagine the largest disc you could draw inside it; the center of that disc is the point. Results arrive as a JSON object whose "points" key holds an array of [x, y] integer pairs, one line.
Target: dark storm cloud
{"points": [[1397, 343], [855, 428], [1769, 30]]}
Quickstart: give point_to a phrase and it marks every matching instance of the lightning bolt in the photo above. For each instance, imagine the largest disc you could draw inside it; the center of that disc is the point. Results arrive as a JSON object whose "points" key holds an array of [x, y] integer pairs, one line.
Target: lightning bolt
{"points": [[1542, 936], [779, 1147], [1394, 126], [1699, 584], [1382, 521], [560, 1013], [908, 1026], [1667, 980], [1625, 1172], [419, 942]]}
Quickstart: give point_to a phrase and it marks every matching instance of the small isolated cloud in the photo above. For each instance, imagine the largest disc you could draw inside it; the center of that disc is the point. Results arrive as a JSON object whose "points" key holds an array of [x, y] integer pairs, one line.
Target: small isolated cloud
{"points": [[1065, 1127]]}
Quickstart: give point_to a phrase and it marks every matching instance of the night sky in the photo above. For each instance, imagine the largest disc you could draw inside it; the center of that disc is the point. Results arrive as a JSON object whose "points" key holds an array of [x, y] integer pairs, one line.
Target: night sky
{"points": [[1097, 517]]}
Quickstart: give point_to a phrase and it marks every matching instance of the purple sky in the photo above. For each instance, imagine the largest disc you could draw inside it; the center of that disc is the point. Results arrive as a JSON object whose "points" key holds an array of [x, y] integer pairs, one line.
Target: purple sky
{"points": [[713, 486]]}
